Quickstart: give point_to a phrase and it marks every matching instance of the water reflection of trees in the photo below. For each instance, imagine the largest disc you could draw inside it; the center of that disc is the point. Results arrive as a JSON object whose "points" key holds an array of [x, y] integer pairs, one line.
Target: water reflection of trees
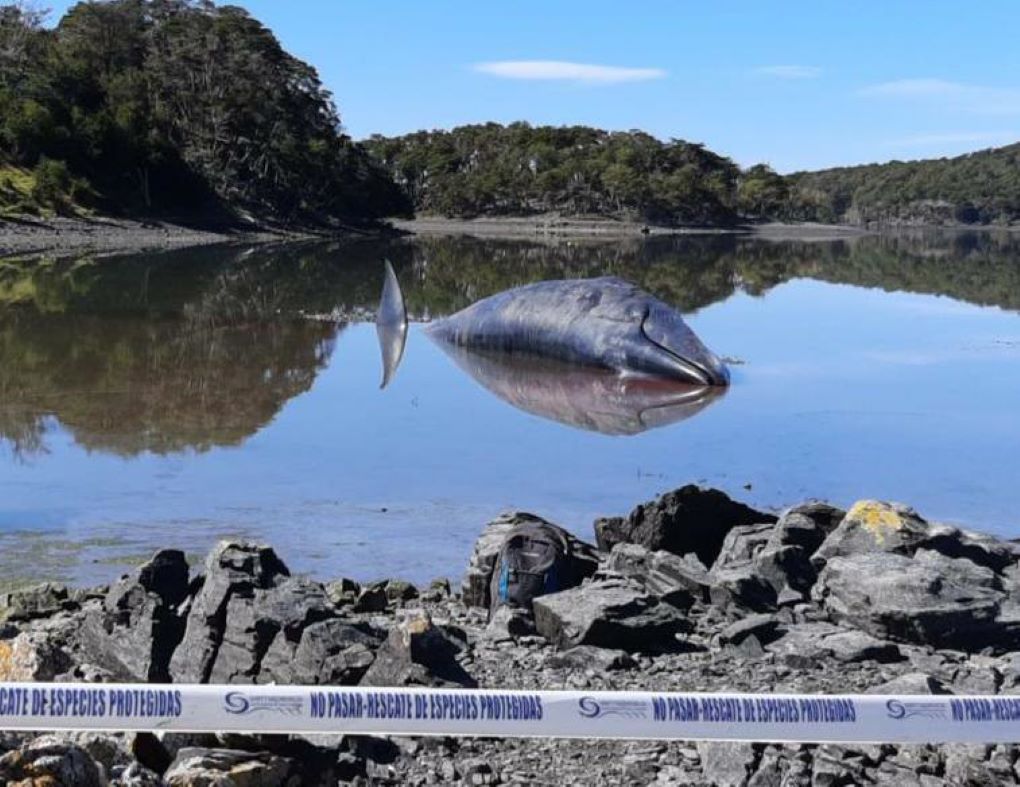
{"points": [[126, 385], [201, 347]]}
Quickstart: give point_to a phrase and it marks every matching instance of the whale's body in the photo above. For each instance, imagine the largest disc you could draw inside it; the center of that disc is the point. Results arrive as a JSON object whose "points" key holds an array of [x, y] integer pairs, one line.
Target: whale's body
{"points": [[606, 323]]}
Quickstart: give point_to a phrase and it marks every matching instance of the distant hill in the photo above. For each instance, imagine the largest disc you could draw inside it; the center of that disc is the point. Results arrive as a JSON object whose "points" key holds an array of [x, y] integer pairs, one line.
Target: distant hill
{"points": [[519, 169], [492, 170], [977, 188], [173, 107]]}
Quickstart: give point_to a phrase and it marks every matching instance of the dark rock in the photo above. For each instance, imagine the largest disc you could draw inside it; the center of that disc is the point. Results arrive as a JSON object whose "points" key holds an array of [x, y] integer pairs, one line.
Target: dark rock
{"points": [[736, 578], [727, 764], [419, 653], [984, 550], [763, 627], [399, 591], [786, 567], [33, 656], [330, 652], [343, 592], [742, 544], [853, 646], [150, 752], [805, 526], [586, 657], [140, 619], [810, 644], [49, 761], [610, 613], [749, 647], [874, 526], [137, 775], [511, 622], [911, 683], [30, 603], [372, 598], [437, 590], [247, 599], [676, 580], [930, 600], [689, 519], [582, 563], [195, 767]]}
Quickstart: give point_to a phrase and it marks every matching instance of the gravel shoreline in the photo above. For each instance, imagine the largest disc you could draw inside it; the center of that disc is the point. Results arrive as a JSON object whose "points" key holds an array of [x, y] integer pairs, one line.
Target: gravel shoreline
{"points": [[29, 235], [691, 592]]}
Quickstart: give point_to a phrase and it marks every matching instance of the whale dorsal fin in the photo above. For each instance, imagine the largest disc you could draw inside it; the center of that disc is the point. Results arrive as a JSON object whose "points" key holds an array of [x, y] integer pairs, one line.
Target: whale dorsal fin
{"points": [[391, 324]]}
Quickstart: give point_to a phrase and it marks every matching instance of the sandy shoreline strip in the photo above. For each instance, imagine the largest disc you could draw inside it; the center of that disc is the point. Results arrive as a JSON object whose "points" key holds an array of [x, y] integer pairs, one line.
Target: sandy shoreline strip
{"points": [[29, 235]]}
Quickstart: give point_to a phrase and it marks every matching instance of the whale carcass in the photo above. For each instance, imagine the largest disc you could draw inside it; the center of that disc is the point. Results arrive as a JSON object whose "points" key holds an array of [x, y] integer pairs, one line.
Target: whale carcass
{"points": [[606, 323]]}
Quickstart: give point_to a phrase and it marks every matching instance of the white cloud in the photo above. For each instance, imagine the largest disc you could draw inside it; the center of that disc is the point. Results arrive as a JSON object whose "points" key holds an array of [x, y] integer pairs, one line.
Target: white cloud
{"points": [[789, 72], [960, 96], [569, 72], [957, 138]]}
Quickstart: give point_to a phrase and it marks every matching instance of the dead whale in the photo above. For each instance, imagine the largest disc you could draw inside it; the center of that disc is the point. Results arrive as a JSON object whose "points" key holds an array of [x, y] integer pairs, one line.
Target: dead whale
{"points": [[604, 323]]}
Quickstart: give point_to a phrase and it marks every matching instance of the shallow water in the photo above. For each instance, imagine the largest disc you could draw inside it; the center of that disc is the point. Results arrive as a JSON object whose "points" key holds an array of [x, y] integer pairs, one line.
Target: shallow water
{"points": [[176, 398]]}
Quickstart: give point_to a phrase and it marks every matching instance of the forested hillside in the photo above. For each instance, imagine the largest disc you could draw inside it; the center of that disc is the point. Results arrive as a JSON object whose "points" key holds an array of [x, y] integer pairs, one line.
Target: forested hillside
{"points": [[978, 188], [519, 169], [179, 106]]}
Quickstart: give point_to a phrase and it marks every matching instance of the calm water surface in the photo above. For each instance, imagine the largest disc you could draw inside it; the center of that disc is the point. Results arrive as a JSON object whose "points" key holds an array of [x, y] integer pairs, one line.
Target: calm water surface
{"points": [[177, 398]]}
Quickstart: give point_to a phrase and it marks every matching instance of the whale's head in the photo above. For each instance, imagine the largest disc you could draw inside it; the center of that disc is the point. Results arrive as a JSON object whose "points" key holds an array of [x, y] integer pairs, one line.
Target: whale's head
{"points": [[667, 347]]}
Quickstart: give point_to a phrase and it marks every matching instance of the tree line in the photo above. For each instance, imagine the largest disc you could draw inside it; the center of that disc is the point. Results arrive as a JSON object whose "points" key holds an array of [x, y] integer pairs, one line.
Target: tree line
{"points": [[976, 188], [174, 106], [182, 107], [519, 169]]}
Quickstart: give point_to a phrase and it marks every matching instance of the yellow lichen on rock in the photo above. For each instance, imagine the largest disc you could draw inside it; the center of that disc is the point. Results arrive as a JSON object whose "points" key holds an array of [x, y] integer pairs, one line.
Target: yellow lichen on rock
{"points": [[6, 660], [879, 519]]}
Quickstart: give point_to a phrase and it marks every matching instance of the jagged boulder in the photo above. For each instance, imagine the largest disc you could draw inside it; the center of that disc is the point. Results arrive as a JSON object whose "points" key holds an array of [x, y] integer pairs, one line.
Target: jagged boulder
{"points": [[609, 613], [34, 602], [875, 526], [135, 632], [805, 526], [810, 643], [689, 519], [419, 653], [48, 760], [195, 767], [736, 577], [33, 655], [677, 580], [331, 652], [477, 581], [247, 598], [929, 599]]}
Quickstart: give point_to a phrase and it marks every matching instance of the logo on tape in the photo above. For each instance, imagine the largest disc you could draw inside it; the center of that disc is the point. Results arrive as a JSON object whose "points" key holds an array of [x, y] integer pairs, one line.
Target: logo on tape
{"points": [[590, 708], [908, 710], [242, 704]]}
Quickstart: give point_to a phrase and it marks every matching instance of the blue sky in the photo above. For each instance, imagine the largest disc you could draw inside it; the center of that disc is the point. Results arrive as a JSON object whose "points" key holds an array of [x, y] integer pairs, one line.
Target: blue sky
{"points": [[794, 84]]}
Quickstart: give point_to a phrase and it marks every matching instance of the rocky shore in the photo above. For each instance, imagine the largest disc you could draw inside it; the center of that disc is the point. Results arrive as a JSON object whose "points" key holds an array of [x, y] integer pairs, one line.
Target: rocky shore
{"points": [[691, 592], [63, 235]]}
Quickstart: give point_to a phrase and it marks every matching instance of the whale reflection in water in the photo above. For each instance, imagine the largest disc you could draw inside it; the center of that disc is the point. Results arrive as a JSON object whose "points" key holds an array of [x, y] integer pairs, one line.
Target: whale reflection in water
{"points": [[599, 400]]}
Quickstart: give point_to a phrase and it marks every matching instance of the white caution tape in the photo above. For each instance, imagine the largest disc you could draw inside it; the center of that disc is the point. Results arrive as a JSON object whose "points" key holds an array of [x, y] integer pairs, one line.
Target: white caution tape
{"points": [[797, 718]]}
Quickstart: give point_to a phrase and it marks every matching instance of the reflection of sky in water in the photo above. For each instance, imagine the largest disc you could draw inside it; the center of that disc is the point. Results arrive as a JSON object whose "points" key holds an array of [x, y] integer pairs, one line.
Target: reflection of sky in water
{"points": [[843, 393]]}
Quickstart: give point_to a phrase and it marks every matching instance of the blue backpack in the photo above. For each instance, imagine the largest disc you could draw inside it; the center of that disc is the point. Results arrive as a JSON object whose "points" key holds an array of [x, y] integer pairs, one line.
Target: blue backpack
{"points": [[533, 561]]}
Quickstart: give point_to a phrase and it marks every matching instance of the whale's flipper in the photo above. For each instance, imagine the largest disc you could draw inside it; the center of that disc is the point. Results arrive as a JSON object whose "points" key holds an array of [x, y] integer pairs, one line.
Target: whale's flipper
{"points": [[391, 325]]}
